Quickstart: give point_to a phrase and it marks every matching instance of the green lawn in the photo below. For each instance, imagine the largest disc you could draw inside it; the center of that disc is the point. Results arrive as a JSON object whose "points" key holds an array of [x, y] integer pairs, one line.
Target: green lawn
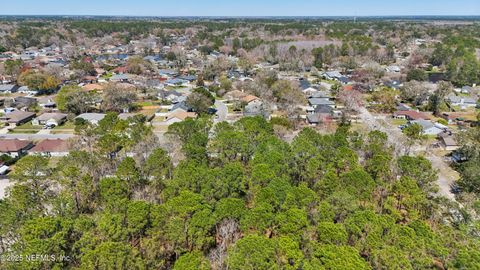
{"points": [[23, 131], [67, 125], [29, 125], [146, 103], [398, 122], [62, 131]]}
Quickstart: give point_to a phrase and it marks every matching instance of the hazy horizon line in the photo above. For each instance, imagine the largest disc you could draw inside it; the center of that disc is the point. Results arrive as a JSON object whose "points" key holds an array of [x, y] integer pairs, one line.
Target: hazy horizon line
{"points": [[241, 16]]}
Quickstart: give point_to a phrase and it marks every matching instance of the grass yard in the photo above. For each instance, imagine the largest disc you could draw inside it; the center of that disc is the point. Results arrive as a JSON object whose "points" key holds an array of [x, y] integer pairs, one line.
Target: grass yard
{"points": [[398, 122], [23, 131], [67, 125], [28, 125], [62, 131]]}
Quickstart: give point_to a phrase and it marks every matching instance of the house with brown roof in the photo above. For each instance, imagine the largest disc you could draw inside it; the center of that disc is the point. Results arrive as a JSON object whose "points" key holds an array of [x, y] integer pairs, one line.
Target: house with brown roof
{"points": [[17, 117], [249, 98], [179, 116], [14, 147], [51, 148], [410, 115]]}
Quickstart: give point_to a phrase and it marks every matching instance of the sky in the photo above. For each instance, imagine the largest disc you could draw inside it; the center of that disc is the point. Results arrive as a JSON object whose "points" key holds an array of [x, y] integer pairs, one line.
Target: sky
{"points": [[240, 7]]}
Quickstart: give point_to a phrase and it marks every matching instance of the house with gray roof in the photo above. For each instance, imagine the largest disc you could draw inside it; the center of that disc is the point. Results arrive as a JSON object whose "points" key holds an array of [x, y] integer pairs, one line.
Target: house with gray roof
{"points": [[428, 127], [92, 118], [17, 117], [8, 88], [314, 102], [462, 101], [120, 78]]}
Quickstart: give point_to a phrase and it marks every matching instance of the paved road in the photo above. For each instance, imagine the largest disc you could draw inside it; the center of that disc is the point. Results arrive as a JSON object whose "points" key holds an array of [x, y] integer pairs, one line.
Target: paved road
{"points": [[222, 111], [446, 175], [22, 136]]}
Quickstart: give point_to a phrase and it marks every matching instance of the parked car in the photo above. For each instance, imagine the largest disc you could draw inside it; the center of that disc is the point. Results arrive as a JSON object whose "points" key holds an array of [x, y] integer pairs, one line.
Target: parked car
{"points": [[50, 126]]}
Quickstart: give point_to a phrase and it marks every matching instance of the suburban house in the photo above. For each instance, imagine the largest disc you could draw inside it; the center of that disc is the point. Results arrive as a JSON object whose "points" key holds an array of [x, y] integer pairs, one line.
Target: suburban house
{"points": [[403, 107], [181, 106], [234, 95], [176, 82], [47, 103], [430, 128], [410, 115], [24, 102], [256, 108], [51, 148], [462, 101], [178, 116], [171, 96], [8, 88], [167, 72], [249, 98], [336, 75], [451, 117], [92, 118], [120, 78], [17, 117], [309, 91], [314, 102], [14, 147], [26, 90], [55, 119], [332, 75], [447, 141], [322, 94]]}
